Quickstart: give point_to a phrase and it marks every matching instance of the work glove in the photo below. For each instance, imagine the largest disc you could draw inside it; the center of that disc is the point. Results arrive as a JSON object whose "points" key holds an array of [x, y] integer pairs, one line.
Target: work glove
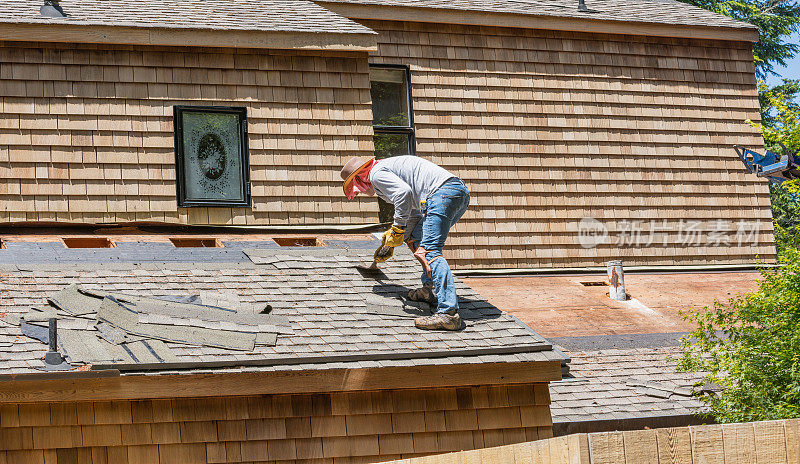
{"points": [[383, 253], [393, 237]]}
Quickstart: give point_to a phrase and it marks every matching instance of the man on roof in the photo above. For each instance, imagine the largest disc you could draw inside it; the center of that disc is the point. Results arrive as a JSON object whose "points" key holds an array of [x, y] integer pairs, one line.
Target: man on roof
{"points": [[428, 200]]}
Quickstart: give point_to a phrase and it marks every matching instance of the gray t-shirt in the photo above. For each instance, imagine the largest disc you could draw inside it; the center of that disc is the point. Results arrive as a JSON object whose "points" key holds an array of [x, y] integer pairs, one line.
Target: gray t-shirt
{"points": [[404, 181]]}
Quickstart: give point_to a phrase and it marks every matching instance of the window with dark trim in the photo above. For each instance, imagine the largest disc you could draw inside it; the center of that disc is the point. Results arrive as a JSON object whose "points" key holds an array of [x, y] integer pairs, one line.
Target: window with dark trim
{"points": [[211, 156], [392, 117], [392, 113]]}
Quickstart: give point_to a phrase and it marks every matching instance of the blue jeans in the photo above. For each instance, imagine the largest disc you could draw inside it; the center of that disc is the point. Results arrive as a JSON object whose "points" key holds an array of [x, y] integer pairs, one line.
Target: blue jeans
{"points": [[443, 209]]}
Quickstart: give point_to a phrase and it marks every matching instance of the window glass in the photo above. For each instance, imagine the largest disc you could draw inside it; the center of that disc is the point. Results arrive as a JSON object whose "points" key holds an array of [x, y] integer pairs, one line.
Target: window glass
{"points": [[389, 97], [387, 145], [392, 119], [212, 163]]}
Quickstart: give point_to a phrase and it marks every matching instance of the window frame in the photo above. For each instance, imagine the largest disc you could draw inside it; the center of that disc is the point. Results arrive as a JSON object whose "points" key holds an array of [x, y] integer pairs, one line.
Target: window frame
{"points": [[409, 130], [244, 148]]}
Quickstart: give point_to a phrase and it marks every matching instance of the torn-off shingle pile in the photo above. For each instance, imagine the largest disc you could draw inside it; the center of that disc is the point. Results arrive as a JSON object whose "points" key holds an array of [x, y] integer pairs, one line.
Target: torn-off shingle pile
{"points": [[99, 327], [340, 317]]}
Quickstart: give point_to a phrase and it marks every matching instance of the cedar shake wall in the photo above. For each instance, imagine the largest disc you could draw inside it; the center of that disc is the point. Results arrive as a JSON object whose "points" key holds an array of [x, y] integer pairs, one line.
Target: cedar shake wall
{"points": [[86, 131], [546, 128], [359, 427], [551, 127]]}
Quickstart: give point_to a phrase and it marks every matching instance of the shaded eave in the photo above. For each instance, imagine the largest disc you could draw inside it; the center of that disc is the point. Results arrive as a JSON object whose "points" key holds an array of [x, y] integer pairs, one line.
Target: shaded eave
{"points": [[485, 18], [110, 385], [184, 37]]}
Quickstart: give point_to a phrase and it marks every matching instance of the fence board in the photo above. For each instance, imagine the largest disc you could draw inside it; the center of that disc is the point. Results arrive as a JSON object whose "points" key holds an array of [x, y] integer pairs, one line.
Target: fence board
{"points": [[738, 441], [776, 442], [770, 442]]}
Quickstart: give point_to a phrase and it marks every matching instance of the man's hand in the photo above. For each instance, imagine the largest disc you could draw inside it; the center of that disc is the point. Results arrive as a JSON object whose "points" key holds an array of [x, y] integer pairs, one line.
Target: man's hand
{"points": [[383, 253], [393, 237]]}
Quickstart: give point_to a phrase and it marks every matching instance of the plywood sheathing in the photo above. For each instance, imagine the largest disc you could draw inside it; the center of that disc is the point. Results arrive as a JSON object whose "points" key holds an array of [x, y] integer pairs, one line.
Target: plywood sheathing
{"points": [[367, 426], [559, 306]]}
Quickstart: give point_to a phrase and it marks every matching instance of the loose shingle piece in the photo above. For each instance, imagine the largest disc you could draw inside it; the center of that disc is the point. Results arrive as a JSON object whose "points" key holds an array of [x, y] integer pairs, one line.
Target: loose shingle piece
{"points": [[305, 307], [98, 327], [181, 330], [75, 302]]}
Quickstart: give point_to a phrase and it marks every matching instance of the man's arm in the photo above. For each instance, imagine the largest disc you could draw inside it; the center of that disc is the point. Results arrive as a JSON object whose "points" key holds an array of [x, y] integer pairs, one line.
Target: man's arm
{"points": [[397, 192]]}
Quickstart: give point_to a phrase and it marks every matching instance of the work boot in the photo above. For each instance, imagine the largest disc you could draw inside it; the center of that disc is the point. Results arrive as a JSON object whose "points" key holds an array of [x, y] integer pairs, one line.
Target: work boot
{"points": [[439, 321], [424, 293]]}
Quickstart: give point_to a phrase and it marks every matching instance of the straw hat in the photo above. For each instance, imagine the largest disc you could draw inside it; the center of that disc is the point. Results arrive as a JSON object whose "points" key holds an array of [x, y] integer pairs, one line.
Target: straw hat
{"points": [[351, 168]]}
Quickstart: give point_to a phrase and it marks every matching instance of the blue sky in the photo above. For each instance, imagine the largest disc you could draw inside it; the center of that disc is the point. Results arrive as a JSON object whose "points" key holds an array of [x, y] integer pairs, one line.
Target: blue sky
{"points": [[792, 69]]}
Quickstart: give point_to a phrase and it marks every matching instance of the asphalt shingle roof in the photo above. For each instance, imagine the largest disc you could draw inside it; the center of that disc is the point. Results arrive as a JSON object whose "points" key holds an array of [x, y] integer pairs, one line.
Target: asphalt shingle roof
{"points": [[336, 315], [623, 384], [261, 15], [645, 11]]}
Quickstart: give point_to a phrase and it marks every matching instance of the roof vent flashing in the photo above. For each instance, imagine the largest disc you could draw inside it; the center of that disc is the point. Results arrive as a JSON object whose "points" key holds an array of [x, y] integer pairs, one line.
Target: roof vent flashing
{"points": [[51, 9]]}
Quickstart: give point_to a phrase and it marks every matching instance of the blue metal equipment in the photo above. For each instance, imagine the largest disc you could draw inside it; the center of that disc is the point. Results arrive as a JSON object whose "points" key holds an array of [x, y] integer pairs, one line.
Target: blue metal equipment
{"points": [[778, 168]]}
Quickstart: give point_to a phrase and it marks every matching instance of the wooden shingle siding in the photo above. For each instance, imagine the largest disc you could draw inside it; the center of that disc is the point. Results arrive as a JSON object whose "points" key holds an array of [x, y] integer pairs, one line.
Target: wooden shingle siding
{"points": [[86, 131], [546, 128], [320, 428], [550, 127]]}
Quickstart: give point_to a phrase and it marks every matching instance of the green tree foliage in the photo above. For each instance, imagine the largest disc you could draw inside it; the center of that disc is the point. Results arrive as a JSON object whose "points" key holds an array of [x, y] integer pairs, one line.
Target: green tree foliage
{"points": [[750, 347], [781, 123], [781, 128], [785, 92], [776, 20]]}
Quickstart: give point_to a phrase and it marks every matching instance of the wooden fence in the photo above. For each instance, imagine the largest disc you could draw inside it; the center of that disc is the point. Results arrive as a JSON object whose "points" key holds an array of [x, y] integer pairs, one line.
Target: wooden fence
{"points": [[774, 442]]}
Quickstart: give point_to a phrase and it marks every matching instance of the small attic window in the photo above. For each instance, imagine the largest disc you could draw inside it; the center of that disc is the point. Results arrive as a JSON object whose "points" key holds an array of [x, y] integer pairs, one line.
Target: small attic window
{"points": [[298, 241], [195, 242], [88, 242]]}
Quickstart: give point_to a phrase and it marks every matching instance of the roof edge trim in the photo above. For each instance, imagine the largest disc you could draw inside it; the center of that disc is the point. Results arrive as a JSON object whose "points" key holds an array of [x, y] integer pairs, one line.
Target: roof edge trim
{"points": [[283, 361], [131, 387], [128, 35], [483, 18]]}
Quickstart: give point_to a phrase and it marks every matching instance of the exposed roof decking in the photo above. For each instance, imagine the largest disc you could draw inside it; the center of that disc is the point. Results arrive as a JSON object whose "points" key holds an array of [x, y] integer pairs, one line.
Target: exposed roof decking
{"points": [[214, 23]]}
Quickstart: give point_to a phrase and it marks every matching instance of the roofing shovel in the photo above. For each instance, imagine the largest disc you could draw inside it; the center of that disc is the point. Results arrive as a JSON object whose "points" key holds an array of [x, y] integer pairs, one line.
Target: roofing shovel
{"points": [[382, 252]]}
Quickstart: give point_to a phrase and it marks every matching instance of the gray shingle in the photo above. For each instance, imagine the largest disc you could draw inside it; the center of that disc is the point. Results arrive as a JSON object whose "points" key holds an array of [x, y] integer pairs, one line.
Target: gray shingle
{"points": [[335, 322], [609, 385], [248, 15], [645, 11]]}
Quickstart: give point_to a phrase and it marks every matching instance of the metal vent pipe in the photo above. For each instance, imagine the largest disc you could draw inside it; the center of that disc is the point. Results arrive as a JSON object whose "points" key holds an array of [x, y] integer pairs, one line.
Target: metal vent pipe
{"points": [[616, 280]]}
